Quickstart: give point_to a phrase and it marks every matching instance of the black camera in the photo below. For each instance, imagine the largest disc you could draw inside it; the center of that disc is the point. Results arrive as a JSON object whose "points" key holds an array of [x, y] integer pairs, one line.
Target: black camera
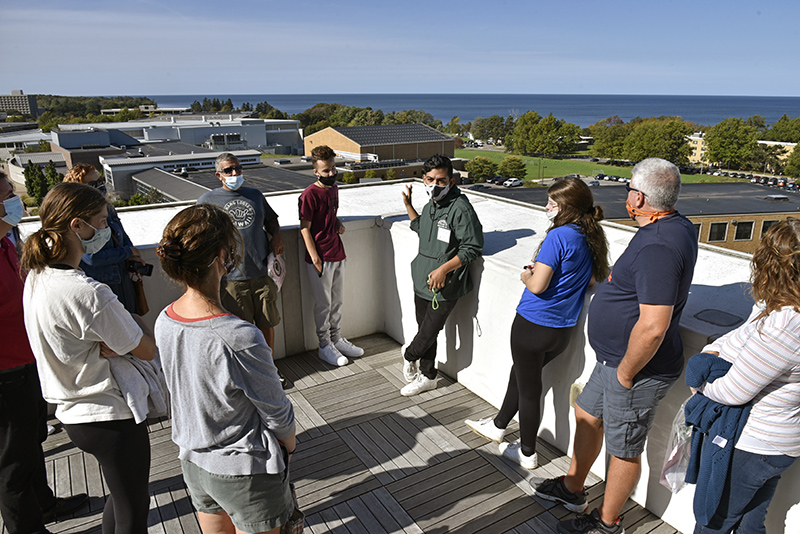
{"points": [[141, 270]]}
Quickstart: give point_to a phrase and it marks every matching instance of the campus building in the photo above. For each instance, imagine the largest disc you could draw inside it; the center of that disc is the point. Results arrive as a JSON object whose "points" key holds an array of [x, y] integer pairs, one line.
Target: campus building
{"points": [[384, 142], [730, 215], [19, 102], [698, 156]]}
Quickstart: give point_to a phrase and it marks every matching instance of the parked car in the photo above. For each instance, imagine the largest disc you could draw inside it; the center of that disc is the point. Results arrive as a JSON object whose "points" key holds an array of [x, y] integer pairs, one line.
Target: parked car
{"points": [[478, 187], [599, 176], [593, 183], [512, 182]]}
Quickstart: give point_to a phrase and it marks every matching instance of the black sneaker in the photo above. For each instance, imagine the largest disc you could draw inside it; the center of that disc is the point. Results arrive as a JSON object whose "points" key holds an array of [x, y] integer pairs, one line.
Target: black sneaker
{"points": [[553, 489], [285, 382], [590, 524]]}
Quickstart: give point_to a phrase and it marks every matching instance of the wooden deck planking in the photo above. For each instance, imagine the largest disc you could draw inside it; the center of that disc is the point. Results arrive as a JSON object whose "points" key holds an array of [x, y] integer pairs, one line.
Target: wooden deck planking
{"points": [[368, 461]]}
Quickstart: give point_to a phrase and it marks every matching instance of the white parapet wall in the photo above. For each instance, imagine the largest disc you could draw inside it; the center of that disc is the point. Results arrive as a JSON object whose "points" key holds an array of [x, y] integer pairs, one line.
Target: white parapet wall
{"points": [[474, 346]]}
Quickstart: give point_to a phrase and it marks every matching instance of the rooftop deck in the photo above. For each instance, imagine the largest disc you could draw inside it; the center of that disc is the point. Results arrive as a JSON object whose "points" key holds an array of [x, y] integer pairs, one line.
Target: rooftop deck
{"points": [[368, 461]]}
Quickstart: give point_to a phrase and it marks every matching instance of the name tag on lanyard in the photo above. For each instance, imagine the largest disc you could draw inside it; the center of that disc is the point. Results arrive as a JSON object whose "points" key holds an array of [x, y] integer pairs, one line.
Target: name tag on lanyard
{"points": [[443, 235]]}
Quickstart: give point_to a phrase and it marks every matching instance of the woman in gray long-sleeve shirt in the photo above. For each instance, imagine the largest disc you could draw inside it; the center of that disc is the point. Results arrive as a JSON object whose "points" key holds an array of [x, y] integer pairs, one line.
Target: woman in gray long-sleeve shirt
{"points": [[230, 417]]}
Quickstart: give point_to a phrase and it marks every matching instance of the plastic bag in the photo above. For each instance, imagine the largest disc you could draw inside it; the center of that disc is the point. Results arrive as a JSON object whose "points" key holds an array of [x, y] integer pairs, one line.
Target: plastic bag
{"points": [[676, 460], [276, 267]]}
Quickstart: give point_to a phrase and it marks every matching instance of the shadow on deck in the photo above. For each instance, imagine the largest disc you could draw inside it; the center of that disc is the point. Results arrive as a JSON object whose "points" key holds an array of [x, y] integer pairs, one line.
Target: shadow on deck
{"points": [[368, 461]]}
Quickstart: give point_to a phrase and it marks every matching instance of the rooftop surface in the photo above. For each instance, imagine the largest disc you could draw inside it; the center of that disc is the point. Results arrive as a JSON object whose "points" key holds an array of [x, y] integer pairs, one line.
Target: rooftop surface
{"points": [[265, 178], [695, 200], [371, 464], [391, 134]]}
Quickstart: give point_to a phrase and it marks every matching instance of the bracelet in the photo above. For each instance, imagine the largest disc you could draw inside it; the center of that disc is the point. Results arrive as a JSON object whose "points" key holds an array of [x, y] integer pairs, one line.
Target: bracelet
{"points": [[291, 451]]}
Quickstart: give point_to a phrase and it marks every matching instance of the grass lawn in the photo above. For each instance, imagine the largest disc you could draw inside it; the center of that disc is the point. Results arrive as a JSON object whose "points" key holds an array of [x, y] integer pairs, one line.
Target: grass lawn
{"points": [[562, 167]]}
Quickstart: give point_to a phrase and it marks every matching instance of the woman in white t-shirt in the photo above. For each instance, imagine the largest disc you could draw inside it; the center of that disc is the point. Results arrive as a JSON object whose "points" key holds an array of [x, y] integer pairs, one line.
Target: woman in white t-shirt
{"points": [[74, 324]]}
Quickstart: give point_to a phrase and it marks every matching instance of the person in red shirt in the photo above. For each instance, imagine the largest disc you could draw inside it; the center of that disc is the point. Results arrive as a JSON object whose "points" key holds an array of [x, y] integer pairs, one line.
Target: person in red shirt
{"points": [[26, 501], [325, 258]]}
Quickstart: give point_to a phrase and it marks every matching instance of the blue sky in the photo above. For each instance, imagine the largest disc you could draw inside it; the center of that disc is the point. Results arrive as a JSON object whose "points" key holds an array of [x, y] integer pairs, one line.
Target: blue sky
{"points": [[152, 47]]}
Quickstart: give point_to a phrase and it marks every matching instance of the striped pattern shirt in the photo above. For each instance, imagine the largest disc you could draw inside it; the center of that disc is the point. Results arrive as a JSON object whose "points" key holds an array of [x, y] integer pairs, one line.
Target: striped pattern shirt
{"points": [[766, 370]]}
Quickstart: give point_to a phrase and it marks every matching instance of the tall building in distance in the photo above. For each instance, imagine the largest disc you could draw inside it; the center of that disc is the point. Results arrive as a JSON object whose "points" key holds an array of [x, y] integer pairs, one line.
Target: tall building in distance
{"points": [[22, 103]]}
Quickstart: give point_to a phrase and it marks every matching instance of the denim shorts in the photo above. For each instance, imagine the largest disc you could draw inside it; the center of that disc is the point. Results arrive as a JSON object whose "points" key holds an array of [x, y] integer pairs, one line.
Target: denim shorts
{"points": [[255, 503], [254, 300], [627, 414]]}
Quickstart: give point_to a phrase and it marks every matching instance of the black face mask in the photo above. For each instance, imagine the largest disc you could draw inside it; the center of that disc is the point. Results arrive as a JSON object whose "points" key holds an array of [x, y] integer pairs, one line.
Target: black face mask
{"points": [[329, 180]]}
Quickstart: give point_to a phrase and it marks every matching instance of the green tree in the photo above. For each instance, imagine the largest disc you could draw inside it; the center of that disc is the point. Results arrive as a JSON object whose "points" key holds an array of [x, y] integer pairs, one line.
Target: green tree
{"points": [[659, 138], [758, 122], [454, 126], [196, 107], [609, 137], [480, 168], [490, 128], [349, 178], [550, 135], [390, 174], [767, 157], [793, 163], [731, 142], [370, 174], [523, 130], [35, 182], [52, 176], [785, 129], [513, 167]]}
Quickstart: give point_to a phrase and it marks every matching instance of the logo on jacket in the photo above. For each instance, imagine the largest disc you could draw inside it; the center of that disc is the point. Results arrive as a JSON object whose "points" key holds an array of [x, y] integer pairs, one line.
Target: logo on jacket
{"points": [[442, 224], [242, 213]]}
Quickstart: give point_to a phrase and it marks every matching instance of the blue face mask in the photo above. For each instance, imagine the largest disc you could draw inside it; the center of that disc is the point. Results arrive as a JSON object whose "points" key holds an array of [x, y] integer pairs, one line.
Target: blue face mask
{"points": [[14, 211], [95, 243], [234, 182]]}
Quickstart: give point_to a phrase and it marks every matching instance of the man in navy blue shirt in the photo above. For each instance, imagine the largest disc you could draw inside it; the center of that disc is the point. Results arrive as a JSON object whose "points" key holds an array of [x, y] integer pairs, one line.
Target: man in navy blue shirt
{"points": [[633, 328]]}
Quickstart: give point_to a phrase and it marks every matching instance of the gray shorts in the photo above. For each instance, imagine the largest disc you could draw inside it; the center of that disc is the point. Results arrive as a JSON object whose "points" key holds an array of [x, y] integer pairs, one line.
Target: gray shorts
{"points": [[627, 414], [255, 503]]}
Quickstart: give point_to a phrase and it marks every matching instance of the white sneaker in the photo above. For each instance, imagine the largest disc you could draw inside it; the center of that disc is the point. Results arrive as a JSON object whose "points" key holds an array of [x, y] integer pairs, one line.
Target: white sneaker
{"points": [[487, 429], [420, 384], [330, 354], [410, 370], [513, 451], [348, 349]]}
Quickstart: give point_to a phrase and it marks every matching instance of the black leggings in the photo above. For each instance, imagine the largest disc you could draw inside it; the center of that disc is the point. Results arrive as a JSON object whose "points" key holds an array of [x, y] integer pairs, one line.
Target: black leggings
{"points": [[123, 450], [532, 347]]}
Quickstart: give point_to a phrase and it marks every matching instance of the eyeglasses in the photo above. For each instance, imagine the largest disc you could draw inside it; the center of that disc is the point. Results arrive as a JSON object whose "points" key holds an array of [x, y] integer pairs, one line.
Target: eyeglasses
{"points": [[629, 189], [231, 169], [96, 183]]}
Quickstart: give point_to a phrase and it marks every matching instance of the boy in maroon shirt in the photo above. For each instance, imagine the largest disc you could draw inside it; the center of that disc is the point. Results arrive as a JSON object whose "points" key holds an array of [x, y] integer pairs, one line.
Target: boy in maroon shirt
{"points": [[325, 257]]}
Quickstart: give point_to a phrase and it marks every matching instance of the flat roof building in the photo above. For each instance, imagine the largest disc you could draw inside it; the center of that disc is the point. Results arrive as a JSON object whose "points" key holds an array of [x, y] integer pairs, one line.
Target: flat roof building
{"points": [[384, 142]]}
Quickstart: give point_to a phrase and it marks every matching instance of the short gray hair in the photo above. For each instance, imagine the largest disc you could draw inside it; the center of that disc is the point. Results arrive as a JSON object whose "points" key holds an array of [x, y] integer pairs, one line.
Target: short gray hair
{"points": [[222, 158], [659, 180]]}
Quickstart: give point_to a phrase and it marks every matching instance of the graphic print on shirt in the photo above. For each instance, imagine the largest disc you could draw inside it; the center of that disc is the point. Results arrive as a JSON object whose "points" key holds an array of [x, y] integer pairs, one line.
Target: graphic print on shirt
{"points": [[242, 212]]}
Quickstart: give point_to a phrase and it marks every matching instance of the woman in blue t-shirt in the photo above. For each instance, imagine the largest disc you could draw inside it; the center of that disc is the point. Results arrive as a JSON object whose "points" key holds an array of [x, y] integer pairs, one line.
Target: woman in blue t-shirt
{"points": [[573, 255]]}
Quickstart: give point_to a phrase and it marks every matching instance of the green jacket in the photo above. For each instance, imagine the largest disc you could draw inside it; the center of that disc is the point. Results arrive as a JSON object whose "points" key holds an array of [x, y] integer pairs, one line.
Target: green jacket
{"points": [[446, 229]]}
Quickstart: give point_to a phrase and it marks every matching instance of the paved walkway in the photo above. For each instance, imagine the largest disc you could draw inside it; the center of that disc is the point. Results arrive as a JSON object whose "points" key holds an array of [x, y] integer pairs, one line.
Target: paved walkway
{"points": [[369, 461]]}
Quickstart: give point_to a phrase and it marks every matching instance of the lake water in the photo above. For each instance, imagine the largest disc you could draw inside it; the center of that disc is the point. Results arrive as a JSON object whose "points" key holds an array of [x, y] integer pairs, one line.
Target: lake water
{"points": [[582, 110]]}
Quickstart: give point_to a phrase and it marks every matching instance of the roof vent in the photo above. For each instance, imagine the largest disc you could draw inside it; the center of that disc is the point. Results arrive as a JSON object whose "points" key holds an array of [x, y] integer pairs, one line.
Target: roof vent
{"points": [[777, 198]]}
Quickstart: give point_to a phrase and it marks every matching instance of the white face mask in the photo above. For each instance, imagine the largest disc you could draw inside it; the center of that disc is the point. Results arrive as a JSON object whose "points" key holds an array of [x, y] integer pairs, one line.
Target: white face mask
{"points": [[14, 211], [234, 182], [95, 243], [437, 192], [551, 214]]}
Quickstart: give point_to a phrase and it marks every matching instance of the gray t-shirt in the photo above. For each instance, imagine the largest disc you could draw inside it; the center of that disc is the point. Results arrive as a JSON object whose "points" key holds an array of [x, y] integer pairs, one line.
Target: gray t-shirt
{"points": [[228, 407], [250, 213]]}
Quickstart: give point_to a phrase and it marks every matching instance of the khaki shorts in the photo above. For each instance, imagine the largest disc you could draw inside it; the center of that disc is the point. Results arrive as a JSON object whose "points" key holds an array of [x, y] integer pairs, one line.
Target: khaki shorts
{"points": [[255, 503], [253, 300]]}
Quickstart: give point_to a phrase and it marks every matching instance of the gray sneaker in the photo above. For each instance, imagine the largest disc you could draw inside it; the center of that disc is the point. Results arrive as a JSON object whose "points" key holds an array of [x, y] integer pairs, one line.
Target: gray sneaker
{"points": [[553, 489], [590, 524]]}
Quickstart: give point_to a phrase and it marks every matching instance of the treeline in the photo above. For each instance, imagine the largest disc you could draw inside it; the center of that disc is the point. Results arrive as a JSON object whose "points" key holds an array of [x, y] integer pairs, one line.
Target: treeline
{"points": [[82, 109]]}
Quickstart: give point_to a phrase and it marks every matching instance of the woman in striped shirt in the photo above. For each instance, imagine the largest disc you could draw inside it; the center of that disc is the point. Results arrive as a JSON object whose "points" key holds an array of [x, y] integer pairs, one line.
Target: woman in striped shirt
{"points": [[765, 357]]}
